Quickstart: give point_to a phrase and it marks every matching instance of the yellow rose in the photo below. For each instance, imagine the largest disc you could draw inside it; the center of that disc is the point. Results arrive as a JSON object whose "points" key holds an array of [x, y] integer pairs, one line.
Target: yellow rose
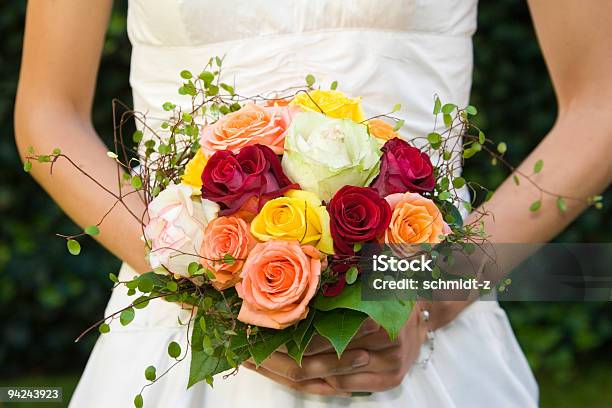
{"points": [[297, 216], [334, 104], [193, 171]]}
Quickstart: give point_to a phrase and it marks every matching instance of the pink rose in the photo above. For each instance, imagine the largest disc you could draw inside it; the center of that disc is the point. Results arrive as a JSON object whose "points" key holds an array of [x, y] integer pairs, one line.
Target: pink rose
{"points": [[278, 280], [176, 228], [253, 124], [226, 235]]}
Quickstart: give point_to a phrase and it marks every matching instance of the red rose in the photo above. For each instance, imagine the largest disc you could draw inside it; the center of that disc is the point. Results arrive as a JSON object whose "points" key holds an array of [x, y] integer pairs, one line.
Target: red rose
{"points": [[357, 214], [403, 168], [232, 179]]}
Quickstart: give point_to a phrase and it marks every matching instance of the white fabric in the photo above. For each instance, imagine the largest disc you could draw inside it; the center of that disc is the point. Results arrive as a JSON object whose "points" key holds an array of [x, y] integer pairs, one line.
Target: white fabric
{"points": [[386, 51]]}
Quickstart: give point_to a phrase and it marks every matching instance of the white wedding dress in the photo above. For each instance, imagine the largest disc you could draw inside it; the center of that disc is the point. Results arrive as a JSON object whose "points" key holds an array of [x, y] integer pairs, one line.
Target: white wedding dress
{"points": [[386, 51]]}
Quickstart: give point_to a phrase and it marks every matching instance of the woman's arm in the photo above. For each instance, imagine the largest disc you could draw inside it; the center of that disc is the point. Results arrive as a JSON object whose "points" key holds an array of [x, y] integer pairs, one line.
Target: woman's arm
{"points": [[61, 53], [575, 38]]}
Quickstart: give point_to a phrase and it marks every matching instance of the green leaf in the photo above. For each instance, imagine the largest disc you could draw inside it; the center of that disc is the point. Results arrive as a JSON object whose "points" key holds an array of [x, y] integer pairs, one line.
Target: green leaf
{"points": [[204, 365], [186, 74], [168, 106], [138, 401], [561, 205], [136, 182], [113, 277], [213, 90], [471, 110], [172, 286], [502, 147], [458, 182], [267, 342], [334, 85], [516, 180], [141, 302], [92, 230], [104, 328], [193, 268], [467, 153], [127, 316], [357, 247], [137, 136], [302, 335], [398, 125], [437, 106], [396, 107], [73, 246], [391, 314], [228, 259], [339, 326], [448, 119], [448, 108], [295, 351], [207, 77], [310, 80], [434, 138], [481, 137], [535, 206], [455, 215], [150, 373], [302, 327], [443, 196], [27, 166], [210, 274], [351, 275], [146, 283], [537, 167], [174, 349], [228, 88]]}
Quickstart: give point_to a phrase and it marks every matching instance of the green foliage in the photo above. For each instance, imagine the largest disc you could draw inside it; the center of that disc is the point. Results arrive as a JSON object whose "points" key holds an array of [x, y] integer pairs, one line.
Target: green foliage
{"points": [[174, 349], [385, 312], [339, 326]]}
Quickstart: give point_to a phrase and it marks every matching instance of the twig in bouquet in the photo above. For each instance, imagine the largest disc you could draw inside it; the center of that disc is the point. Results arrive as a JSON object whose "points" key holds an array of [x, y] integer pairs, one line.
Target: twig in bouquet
{"points": [[118, 312], [100, 222], [86, 174], [177, 361], [311, 99]]}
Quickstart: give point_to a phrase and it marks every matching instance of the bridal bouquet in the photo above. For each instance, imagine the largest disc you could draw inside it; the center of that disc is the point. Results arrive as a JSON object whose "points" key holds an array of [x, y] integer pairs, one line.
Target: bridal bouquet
{"points": [[261, 209]]}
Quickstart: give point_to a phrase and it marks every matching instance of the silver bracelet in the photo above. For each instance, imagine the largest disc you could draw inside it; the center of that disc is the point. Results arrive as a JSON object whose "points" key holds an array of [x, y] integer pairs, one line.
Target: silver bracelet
{"points": [[429, 341]]}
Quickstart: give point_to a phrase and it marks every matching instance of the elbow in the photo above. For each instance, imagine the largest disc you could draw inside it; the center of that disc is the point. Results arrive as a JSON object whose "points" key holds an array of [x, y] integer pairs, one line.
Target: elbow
{"points": [[40, 121]]}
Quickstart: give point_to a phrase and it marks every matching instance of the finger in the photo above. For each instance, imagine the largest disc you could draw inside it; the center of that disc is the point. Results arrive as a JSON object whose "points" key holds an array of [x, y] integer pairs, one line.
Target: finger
{"points": [[374, 342], [366, 382], [382, 361], [315, 386], [320, 344], [318, 366]]}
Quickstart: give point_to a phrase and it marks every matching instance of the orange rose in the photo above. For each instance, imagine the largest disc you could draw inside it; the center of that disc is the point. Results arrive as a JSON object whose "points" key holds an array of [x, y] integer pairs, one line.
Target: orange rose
{"points": [[253, 124], [226, 235], [381, 129], [278, 280], [415, 220]]}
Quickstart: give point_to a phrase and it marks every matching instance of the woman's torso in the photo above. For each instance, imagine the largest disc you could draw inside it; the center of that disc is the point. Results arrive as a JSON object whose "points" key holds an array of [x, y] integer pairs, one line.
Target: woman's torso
{"points": [[387, 51]]}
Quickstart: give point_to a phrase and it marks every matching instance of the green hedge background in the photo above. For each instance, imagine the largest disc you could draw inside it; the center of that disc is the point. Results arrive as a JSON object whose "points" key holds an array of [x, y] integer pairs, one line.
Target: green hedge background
{"points": [[47, 296]]}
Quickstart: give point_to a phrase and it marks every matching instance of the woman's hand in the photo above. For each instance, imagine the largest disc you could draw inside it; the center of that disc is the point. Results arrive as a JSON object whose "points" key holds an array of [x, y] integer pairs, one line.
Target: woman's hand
{"points": [[372, 362]]}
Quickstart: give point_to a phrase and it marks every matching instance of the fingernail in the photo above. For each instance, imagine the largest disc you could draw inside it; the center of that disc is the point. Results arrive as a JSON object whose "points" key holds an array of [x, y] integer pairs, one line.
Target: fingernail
{"points": [[361, 361]]}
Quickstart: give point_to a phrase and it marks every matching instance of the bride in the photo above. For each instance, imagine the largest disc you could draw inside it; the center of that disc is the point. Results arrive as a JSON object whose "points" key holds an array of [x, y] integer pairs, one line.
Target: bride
{"points": [[387, 51]]}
